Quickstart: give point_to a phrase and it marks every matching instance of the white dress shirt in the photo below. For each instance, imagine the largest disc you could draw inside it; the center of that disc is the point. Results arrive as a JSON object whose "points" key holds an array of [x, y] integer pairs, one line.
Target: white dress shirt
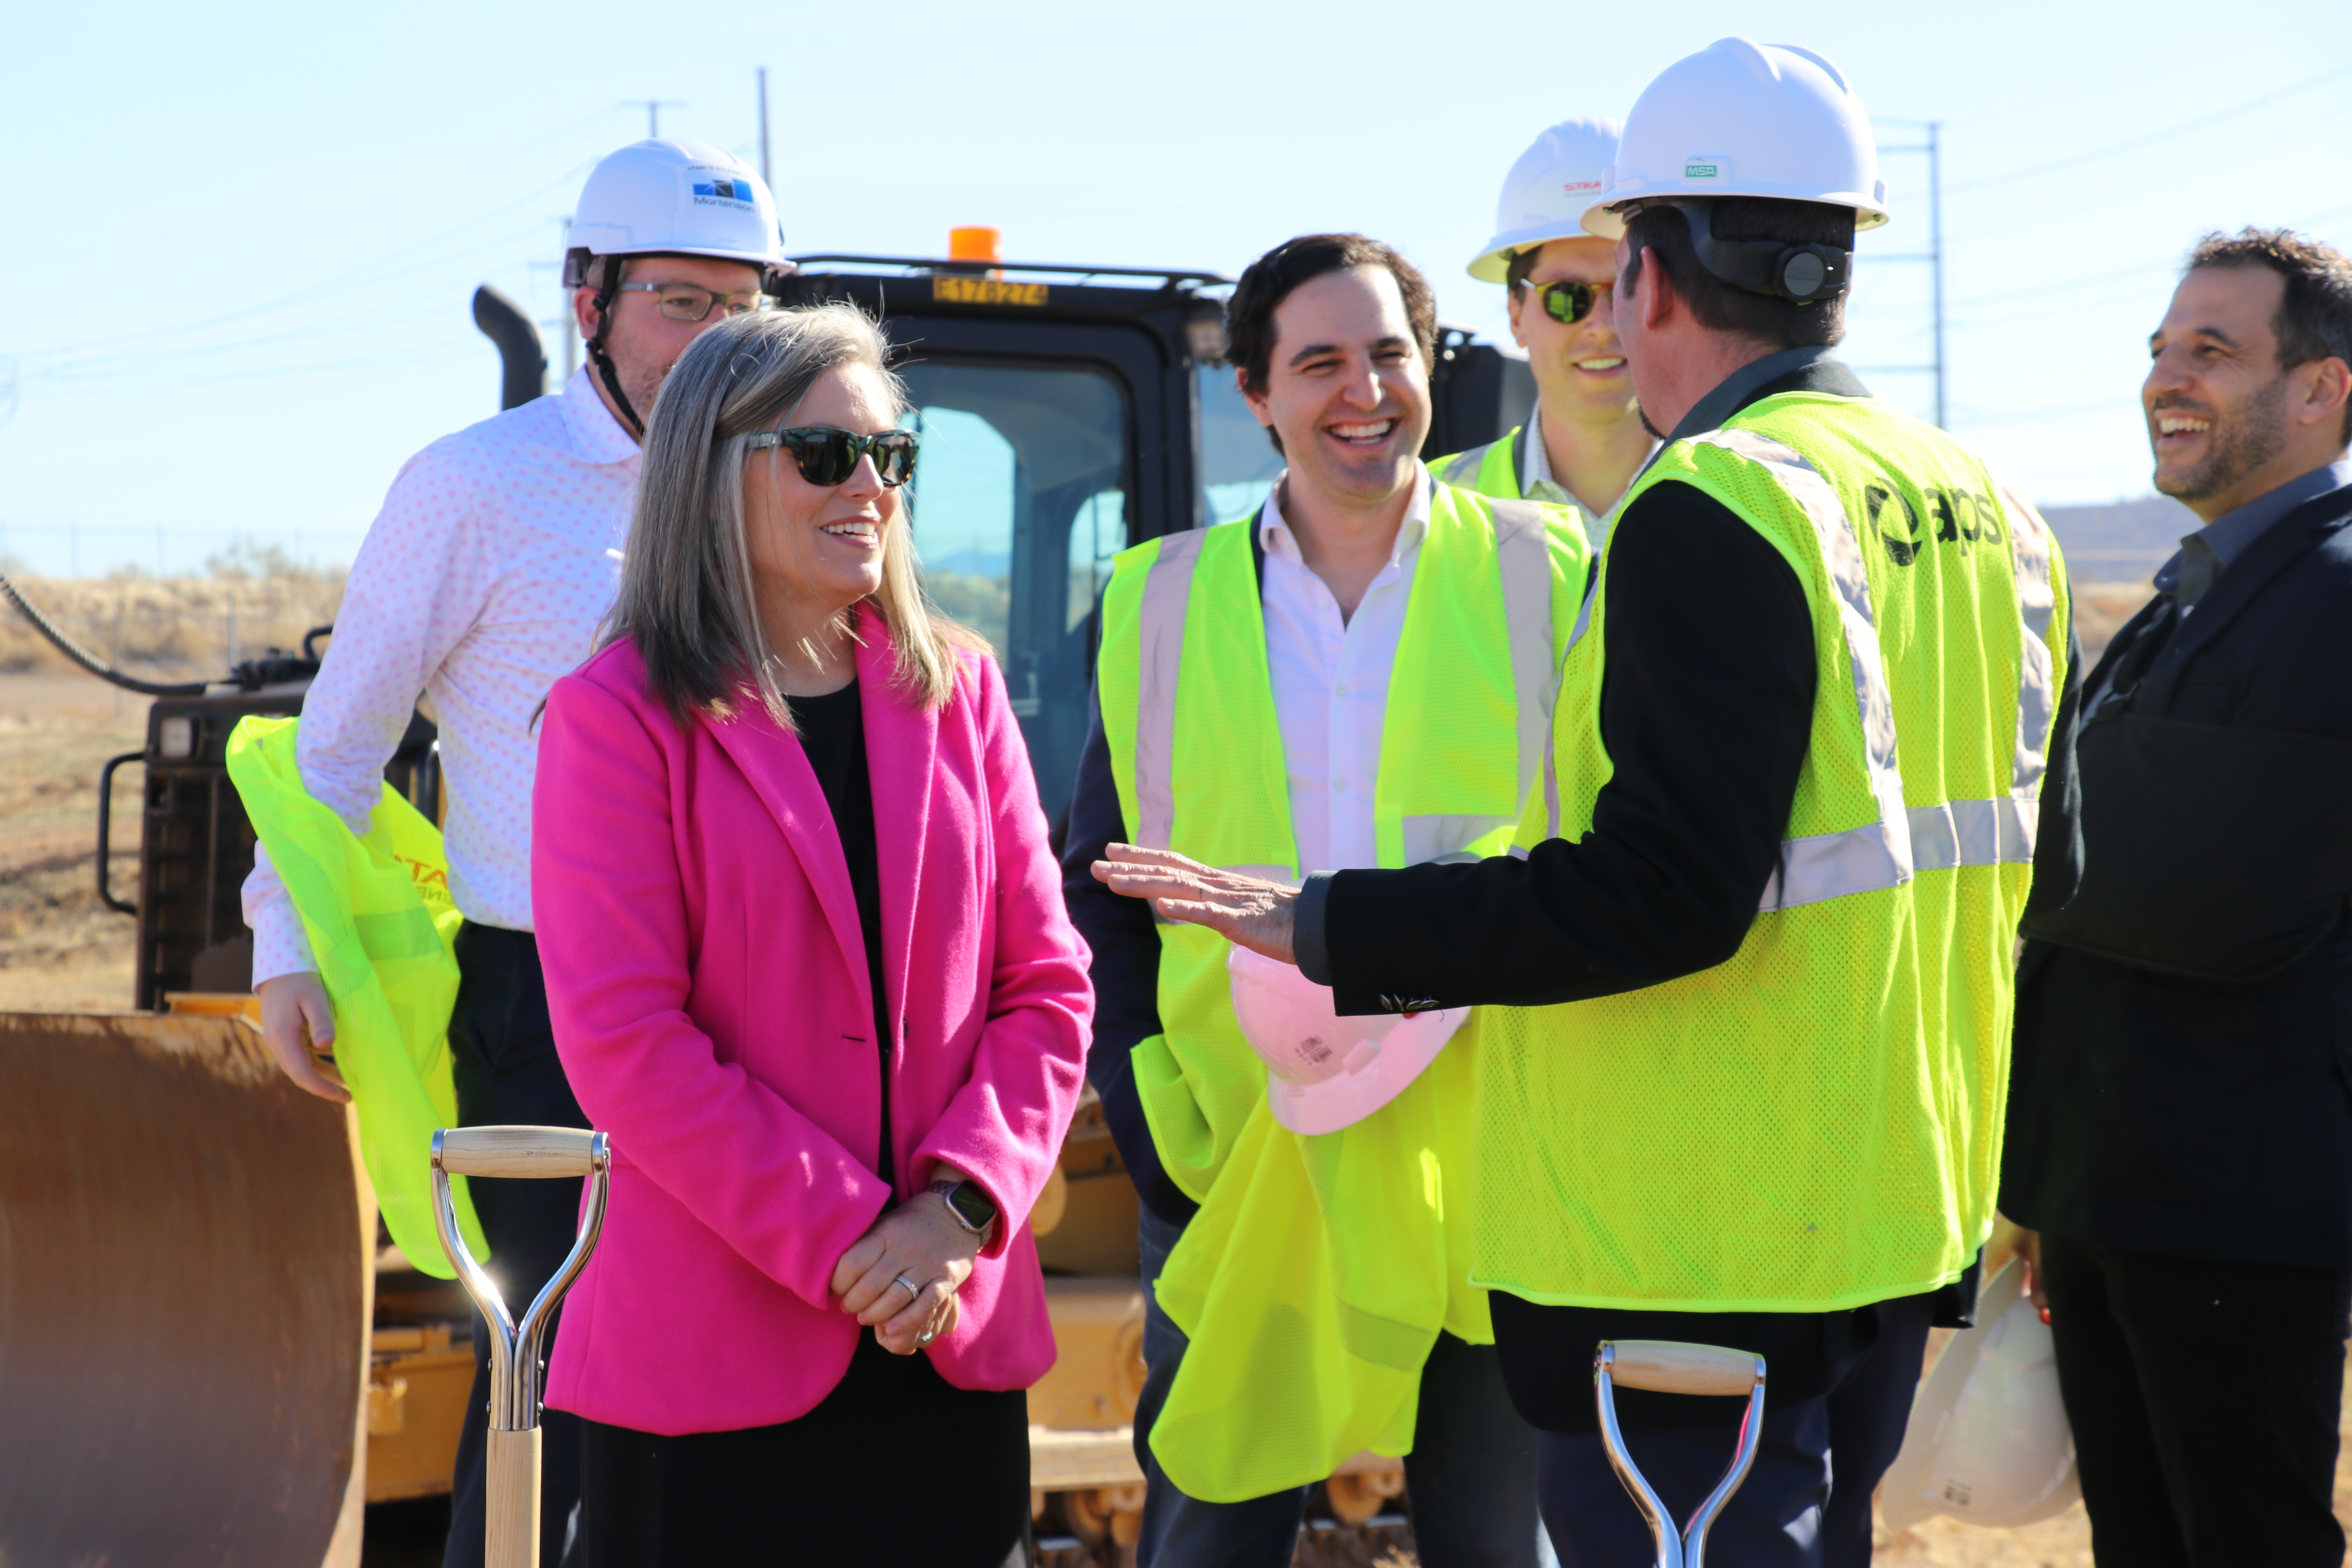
{"points": [[1330, 680], [481, 581]]}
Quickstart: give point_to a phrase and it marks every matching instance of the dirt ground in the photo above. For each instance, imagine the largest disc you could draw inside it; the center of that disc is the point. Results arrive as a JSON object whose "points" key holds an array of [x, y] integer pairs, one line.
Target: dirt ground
{"points": [[61, 950]]}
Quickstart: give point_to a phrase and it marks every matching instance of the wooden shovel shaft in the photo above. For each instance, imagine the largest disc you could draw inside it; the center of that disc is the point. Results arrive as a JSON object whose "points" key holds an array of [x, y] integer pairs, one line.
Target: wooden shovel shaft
{"points": [[512, 1503]]}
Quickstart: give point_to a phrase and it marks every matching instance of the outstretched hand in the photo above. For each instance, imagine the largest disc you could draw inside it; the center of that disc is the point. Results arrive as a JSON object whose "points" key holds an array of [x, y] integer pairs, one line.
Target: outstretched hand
{"points": [[1248, 911]]}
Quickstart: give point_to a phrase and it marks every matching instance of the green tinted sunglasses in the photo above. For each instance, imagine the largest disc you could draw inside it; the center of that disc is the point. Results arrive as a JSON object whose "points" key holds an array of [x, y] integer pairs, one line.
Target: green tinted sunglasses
{"points": [[828, 457], [1566, 302]]}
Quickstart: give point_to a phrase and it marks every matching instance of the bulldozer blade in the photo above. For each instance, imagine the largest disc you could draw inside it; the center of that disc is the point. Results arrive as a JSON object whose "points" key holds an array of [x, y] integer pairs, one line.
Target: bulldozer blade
{"points": [[184, 1300]]}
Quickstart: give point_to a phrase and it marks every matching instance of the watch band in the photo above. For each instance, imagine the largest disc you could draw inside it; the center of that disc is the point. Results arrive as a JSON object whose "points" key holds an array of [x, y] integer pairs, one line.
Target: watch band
{"points": [[965, 1199]]}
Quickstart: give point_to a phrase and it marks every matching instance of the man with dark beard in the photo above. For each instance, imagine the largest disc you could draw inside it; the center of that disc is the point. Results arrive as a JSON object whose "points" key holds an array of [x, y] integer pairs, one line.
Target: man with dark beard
{"points": [[2180, 1102]]}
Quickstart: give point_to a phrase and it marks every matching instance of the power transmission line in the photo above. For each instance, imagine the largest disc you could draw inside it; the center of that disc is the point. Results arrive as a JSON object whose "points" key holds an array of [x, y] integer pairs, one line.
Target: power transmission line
{"points": [[2137, 142]]}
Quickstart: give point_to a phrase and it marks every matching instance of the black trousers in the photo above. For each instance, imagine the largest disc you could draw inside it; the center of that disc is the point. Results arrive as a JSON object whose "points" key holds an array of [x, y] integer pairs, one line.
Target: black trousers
{"points": [[895, 1465], [503, 1051], [2204, 1398]]}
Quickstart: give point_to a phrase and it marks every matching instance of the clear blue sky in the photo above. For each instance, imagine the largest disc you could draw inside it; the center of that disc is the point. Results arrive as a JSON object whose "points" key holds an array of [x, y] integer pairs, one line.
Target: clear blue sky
{"points": [[241, 240]]}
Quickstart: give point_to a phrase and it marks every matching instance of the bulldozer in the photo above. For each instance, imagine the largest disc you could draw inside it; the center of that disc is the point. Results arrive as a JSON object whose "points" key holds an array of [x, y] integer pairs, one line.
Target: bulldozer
{"points": [[209, 1350]]}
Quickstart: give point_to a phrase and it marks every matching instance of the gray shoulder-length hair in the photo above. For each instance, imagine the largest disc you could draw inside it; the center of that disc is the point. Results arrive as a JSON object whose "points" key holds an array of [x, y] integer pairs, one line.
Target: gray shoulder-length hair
{"points": [[685, 577]]}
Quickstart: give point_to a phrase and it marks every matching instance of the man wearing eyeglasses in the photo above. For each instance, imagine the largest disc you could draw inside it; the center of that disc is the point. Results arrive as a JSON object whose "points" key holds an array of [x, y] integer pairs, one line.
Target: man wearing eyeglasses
{"points": [[1584, 440], [481, 580]]}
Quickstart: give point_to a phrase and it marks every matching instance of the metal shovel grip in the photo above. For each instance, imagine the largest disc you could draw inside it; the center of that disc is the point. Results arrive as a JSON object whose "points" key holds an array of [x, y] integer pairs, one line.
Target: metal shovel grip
{"points": [[513, 1456], [1668, 1366], [525, 1151]]}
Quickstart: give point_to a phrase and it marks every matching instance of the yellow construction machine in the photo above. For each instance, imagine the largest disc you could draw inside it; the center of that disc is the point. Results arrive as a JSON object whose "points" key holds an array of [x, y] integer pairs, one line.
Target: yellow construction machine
{"points": [[209, 1351]]}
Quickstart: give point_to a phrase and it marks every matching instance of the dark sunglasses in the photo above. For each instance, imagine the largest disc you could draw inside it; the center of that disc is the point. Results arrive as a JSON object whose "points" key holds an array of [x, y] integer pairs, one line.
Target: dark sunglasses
{"points": [[1567, 304], [828, 457]]}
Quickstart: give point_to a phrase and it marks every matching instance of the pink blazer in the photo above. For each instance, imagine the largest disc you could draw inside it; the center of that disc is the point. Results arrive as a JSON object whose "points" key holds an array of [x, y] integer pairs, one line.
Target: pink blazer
{"points": [[709, 991]]}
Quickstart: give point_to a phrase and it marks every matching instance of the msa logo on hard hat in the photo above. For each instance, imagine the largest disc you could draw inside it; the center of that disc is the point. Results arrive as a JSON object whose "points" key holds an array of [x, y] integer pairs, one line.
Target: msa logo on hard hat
{"points": [[1706, 171]]}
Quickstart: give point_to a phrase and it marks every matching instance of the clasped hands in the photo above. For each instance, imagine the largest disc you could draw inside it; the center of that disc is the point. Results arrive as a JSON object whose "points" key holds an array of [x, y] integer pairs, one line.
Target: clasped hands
{"points": [[1248, 911], [922, 1243]]}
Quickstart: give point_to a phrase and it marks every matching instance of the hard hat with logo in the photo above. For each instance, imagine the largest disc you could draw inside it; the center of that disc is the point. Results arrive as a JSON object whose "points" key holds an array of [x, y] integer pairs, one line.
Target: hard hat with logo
{"points": [[1546, 192], [1741, 119], [669, 197], [1987, 1443], [1326, 1072]]}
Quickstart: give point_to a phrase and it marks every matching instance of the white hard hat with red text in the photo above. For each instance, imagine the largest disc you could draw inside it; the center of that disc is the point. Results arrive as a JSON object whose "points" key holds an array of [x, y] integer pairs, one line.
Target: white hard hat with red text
{"points": [[1546, 192]]}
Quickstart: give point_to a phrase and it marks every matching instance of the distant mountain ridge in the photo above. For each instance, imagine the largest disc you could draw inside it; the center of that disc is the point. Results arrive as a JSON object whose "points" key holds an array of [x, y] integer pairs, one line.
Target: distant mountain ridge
{"points": [[2122, 542]]}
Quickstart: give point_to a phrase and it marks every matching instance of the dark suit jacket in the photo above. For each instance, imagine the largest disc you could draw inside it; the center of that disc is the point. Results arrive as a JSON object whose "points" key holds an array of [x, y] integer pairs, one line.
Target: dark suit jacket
{"points": [[2182, 1082]]}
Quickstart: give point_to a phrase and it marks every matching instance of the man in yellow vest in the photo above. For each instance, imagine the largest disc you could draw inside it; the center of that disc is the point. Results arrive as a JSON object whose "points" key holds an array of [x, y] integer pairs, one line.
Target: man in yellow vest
{"points": [[1584, 440], [1742, 1071], [1359, 675]]}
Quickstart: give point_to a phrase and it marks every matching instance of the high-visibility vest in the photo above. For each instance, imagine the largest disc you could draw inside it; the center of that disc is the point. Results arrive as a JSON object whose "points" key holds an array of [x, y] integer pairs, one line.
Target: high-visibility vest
{"points": [[1816, 1123], [382, 924], [1491, 470], [1318, 1272]]}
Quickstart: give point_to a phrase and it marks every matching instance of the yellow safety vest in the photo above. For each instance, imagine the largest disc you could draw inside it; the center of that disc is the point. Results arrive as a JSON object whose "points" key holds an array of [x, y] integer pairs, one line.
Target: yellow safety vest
{"points": [[382, 924], [1816, 1123], [1319, 1271]]}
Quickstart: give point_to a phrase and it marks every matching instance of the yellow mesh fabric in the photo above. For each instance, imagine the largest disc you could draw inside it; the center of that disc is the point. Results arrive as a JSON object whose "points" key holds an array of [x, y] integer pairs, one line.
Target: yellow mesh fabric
{"points": [[1318, 1271], [1815, 1123]]}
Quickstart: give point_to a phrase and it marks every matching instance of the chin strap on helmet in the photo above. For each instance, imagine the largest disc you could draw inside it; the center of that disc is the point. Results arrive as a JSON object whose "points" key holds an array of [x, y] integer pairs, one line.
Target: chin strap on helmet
{"points": [[1801, 274], [602, 357]]}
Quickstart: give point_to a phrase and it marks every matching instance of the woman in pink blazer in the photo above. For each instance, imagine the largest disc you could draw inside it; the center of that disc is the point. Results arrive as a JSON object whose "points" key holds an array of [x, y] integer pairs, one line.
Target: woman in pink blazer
{"points": [[808, 965]]}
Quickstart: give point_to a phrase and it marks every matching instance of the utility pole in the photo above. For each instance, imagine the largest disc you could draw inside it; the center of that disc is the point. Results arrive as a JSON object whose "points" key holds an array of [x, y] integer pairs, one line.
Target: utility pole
{"points": [[765, 178], [653, 108], [1936, 245], [1933, 255]]}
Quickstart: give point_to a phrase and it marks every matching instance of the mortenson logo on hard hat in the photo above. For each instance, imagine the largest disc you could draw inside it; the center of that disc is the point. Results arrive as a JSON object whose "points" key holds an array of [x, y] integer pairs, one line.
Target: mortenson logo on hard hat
{"points": [[715, 189]]}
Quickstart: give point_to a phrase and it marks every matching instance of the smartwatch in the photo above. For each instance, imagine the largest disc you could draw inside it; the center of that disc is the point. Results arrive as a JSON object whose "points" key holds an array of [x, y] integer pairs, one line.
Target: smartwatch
{"points": [[972, 1208]]}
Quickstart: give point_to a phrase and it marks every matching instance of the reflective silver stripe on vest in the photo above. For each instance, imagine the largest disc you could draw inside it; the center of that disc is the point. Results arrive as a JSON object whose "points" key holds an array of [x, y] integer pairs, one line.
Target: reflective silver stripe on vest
{"points": [[1462, 473], [1877, 853], [1166, 591], [1523, 551], [2037, 678]]}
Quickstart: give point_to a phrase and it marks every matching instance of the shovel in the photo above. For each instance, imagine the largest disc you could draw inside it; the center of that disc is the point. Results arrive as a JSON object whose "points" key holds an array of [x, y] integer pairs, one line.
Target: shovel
{"points": [[1667, 1367], [512, 1501]]}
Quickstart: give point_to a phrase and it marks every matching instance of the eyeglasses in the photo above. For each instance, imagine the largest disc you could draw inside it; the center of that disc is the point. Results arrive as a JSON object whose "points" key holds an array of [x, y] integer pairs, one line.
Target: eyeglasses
{"points": [[685, 303], [1566, 302], [828, 457]]}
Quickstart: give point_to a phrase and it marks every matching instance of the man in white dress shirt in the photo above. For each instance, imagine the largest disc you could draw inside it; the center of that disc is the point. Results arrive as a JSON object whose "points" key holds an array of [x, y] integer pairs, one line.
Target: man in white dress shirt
{"points": [[1332, 338], [481, 580]]}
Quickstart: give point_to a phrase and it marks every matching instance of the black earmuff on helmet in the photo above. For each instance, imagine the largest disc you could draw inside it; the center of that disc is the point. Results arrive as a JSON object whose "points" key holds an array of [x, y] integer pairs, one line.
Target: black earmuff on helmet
{"points": [[1801, 274]]}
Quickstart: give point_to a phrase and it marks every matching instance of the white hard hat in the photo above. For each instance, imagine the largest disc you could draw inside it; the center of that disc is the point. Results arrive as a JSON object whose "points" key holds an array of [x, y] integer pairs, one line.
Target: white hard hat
{"points": [[1326, 1072], [1546, 192], [1740, 119], [1988, 1442], [673, 198]]}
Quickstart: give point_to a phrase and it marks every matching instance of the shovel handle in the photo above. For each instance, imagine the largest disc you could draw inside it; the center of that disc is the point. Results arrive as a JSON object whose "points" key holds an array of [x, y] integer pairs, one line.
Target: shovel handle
{"points": [[510, 1526], [514, 1150], [1669, 1366]]}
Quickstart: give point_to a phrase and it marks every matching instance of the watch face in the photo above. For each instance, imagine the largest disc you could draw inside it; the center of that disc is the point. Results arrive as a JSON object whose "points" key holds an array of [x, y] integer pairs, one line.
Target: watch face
{"points": [[971, 1203]]}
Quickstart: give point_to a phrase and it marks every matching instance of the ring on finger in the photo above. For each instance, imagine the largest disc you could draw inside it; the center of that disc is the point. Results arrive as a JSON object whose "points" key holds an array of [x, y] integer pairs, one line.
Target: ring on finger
{"points": [[914, 1291]]}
